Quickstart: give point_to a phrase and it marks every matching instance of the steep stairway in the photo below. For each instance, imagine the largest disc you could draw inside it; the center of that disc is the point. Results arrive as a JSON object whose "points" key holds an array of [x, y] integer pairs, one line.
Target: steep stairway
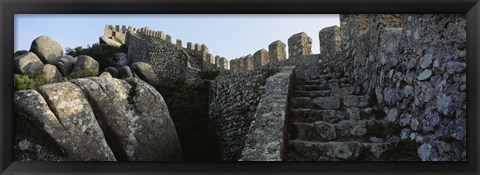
{"points": [[329, 120]]}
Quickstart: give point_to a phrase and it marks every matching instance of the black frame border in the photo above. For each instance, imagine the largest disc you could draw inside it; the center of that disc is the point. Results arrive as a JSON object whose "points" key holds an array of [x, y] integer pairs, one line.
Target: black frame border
{"points": [[10, 7]]}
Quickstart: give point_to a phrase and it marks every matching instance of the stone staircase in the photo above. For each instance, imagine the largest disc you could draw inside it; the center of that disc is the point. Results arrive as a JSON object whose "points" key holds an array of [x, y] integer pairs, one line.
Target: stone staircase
{"points": [[329, 120]]}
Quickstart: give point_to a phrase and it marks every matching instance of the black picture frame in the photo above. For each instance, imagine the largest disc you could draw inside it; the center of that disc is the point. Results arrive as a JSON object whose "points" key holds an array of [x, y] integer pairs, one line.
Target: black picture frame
{"points": [[11, 7]]}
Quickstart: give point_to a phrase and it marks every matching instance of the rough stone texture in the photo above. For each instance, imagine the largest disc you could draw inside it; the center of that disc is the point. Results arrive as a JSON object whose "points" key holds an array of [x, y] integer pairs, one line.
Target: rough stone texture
{"points": [[168, 62], [144, 71], [108, 41], [47, 49], [330, 41], [233, 102], [65, 65], [248, 63], [134, 117], [28, 64], [112, 71], [86, 63], [276, 52], [27, 150], [299, 45], [125, 72], [260, 58], [63, 120], [265, 139], [20, 52], [416, 64], [51, 73], [122, 59]]}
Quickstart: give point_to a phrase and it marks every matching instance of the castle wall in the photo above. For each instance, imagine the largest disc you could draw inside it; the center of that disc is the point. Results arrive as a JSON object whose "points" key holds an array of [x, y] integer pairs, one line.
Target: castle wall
{"points": [[168, 62], [233, 102], [414, 66]]}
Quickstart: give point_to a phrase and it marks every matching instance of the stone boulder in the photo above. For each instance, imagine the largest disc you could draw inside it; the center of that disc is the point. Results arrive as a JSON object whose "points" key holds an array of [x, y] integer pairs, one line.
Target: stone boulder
{"points": [[28, 64], [51, 74], [125, 72], [20, 52], [134, 117], [144, 71], [47, 49], [113, 71], [86, 63], [65, 64], [61, 118], [111, 42]]}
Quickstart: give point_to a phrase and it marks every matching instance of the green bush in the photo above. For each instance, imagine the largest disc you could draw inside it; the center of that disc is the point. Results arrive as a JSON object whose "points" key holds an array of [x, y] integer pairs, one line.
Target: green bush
{"points": [[81, 74], [104, 54], [23, 82], [209, 74], [266, 73]]}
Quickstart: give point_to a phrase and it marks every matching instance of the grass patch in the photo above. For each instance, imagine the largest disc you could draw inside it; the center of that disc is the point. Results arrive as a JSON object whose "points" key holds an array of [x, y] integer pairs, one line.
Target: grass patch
{"points": [[81, 74], [24, 82]]}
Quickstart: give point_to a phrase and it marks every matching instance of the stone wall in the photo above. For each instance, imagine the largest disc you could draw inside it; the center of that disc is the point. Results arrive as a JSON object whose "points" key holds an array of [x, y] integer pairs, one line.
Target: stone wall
{"points": [[168, 62], [267, 134], [415, 67], [232, 105]]}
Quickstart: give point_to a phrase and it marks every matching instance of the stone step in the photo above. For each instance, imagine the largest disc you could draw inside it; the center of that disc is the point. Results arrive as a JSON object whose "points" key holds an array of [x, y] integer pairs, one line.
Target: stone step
{"points": [[332, 102], [301, 150], [334, 116], [316, 87], [346, 130], [312, 115], [313, 94], [327, 103], [344, 80]]}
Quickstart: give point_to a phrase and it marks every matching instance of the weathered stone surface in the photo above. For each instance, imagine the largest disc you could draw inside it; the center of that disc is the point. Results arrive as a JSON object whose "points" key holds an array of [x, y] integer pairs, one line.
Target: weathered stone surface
{"points": [[355, 101], [455, 67], [125, 72], [20, 52], [65, 65], [298, 45], [134, 117], [426, 61], [427, 73], [113, 71], [47, 49], [63, 120], [325, 130], [260, 58], [87, 64], [145, 72], [111, 42], [28, 64], [26, 150], [331, 102], [276, 52], [265, 138], [330, 41], [122, 59], [51, 74]]}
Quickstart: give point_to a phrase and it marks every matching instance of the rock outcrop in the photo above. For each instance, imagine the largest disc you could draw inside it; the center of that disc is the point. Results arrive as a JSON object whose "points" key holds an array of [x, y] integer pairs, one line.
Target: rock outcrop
{"points": [[86, 64], [144, 71], [47, 49], [28, 64], [96, 118]]}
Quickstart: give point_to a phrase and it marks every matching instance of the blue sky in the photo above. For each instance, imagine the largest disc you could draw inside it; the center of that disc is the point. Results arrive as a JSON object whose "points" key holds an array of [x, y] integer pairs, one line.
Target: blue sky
{"points": [[230, 36]]}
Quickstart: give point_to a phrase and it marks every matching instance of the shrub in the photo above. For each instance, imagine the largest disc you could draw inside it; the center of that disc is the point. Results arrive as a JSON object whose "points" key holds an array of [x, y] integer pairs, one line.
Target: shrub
{"points": [[104, 54], [81, 74], [23, 82], [209, 74]]}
